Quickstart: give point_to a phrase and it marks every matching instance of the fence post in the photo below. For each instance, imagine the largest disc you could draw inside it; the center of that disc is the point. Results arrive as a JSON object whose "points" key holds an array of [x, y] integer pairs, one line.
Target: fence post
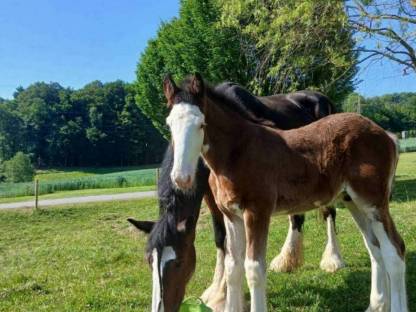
{"points": [[36, 193]]}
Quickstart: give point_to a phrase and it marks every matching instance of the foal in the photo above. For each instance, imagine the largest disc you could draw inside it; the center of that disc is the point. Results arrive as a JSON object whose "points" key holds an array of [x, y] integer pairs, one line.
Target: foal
{"points": [[257, 171]]}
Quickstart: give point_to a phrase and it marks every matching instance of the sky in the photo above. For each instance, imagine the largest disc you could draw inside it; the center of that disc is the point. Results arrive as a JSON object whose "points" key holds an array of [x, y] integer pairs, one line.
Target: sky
{"points": [[78, 41]]}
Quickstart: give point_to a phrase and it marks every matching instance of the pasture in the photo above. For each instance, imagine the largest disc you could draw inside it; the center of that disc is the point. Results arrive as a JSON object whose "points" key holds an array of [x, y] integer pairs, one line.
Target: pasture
{"points": [[87, 258], [55, 181]]}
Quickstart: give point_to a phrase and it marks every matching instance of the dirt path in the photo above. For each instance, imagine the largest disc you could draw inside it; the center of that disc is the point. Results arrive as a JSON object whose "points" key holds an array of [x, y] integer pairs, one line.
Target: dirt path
{"points": [[79, 200]]}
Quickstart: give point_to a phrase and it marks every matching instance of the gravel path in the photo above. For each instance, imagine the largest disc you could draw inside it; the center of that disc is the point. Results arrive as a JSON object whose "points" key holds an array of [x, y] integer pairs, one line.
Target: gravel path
{"points": [[79, 200]]}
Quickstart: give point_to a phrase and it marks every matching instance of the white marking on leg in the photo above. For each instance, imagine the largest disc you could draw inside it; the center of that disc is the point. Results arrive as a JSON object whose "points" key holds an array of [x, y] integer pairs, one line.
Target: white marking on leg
{"points": [[256, 280], [291, 255], [396, 269], [214, 295], [168, 254], [234, 263], [331, 258], [380, 290]]}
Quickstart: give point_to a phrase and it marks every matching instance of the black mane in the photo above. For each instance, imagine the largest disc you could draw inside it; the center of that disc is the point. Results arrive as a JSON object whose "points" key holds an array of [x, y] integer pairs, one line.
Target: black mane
{"points": [[176, 205]]}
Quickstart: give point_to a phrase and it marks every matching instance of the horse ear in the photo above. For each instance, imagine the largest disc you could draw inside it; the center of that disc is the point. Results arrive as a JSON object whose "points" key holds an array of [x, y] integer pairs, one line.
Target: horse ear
{"points": [[197, 84], [169, 88], [144, 226]]}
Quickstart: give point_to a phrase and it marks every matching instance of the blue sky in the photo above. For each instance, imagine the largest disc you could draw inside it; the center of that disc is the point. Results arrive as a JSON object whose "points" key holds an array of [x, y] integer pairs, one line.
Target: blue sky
{"points": [[75, 42]]}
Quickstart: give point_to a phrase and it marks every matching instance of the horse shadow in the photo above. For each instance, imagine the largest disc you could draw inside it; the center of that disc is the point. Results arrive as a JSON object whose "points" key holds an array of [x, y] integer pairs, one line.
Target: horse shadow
{"points": [[404, 190], [351, 295]]}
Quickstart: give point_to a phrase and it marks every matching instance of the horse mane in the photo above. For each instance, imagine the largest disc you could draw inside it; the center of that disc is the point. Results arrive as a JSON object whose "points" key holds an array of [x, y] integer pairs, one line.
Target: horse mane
{"points": [[175, 205], [250, 109]]}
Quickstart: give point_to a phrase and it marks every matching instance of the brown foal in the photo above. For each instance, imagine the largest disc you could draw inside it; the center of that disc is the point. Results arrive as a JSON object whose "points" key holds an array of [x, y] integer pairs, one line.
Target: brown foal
{"points": [[257, 171]]}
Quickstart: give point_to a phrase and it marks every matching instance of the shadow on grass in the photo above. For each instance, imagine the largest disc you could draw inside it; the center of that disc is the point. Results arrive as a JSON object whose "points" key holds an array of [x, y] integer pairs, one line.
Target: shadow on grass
{"points": [[352, 294], [404, 190]]}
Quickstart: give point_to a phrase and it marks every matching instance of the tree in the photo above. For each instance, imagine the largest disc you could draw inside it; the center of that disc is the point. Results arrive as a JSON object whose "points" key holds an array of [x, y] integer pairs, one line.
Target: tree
{"points": [[194, 42], [389, 26], [295, 45], [19, 168], [11, 132], [99, 124], [394, 112]]}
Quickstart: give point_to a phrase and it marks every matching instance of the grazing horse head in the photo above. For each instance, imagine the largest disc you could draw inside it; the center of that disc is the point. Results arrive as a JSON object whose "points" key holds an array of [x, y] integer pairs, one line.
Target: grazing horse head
{"points": [[170, 246], [186, 122], [171, 256]]}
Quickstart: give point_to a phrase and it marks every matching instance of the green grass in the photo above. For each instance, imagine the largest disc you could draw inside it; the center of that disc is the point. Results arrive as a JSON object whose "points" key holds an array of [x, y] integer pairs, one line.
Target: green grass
{"points": [[78, 172], [58, 181], [87, 258], [76, 193]]}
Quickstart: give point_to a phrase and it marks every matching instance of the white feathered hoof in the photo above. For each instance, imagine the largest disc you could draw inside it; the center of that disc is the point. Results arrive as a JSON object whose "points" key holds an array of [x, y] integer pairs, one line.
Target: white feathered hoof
{"points": [[290, 258], [216, 301], [378, 308], [214, 296], [331, 262]]}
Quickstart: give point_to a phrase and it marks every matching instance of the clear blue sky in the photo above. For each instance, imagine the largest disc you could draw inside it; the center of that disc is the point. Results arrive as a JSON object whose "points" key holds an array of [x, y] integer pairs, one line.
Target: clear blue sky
{"points": [[75, 42]]}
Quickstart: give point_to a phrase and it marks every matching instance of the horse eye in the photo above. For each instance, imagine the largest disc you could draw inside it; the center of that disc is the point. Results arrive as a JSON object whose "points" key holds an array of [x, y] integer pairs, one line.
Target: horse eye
{"points": [[203, 125]]}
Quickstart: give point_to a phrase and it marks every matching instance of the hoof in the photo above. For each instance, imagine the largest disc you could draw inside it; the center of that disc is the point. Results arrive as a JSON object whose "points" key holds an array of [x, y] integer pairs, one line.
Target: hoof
{"points": [[331, 263], [217, 304], [378, 308], [214, 296], [286, 262]]}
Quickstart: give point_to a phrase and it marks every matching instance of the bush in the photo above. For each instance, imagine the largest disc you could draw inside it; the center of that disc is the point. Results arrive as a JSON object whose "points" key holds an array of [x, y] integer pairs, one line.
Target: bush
{"points": [[18, 169]]}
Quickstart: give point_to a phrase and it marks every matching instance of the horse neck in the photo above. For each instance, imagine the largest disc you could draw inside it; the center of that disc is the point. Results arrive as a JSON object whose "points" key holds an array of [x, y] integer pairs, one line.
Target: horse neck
{"points": [[225, 130]]}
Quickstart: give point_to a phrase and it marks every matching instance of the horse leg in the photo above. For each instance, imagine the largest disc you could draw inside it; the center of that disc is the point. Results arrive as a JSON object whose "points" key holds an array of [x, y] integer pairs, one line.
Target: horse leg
{"points": [[291, 255], [380, 292], [214, 295], [234, 262], [393, 252], [331, 258], [256, 226]]}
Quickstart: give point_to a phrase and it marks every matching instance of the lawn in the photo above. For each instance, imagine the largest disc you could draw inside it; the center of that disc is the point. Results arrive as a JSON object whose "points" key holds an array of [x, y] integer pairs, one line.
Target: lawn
{"points": [[87, 258], [57, 181]]}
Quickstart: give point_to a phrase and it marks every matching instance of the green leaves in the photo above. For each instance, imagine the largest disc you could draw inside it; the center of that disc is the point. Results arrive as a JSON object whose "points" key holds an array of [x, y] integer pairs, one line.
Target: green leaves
{"points": [[194, 42]]}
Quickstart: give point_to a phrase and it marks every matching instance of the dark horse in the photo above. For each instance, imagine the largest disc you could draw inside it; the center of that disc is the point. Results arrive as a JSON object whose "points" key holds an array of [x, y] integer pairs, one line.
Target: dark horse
{"points": [[173, 235]]}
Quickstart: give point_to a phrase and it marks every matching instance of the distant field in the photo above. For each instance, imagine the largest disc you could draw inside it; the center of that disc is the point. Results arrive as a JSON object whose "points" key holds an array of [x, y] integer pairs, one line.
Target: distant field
{"points": [[408, 145], [58, 180]]}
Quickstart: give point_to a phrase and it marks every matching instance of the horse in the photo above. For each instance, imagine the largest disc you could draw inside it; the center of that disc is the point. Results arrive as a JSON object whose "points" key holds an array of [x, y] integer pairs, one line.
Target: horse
{"points": [[256, 170], [285, 111]]}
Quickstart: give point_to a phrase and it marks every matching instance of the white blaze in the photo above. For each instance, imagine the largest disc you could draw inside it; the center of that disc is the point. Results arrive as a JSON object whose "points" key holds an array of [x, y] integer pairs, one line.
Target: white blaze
{"points": [[168, 254], [185, 122]]}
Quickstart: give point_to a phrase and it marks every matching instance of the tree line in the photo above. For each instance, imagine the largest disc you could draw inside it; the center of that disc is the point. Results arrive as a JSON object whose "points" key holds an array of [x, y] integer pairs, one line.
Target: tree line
{"points": [[267, 46], [97, 125], [394, 112]]}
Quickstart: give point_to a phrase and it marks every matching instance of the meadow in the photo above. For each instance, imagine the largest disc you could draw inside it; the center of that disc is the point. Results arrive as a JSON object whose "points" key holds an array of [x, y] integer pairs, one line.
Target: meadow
{"points": [[87, 258], [60, 180]]}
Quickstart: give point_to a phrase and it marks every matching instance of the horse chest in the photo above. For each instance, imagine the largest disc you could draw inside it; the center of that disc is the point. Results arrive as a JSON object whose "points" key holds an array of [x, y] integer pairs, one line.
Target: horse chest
{"points": [[225, 195]]}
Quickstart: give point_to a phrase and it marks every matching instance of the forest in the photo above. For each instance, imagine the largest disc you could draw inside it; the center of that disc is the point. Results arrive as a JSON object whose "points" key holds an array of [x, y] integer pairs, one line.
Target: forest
{"points": [[97, 125]]}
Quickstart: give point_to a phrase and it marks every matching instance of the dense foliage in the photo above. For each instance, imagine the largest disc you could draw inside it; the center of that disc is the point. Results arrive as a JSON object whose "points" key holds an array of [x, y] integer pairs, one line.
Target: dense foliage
{"points": [[193, 42], [18, 169], [99, 124], [269, 47], [395, 112]]}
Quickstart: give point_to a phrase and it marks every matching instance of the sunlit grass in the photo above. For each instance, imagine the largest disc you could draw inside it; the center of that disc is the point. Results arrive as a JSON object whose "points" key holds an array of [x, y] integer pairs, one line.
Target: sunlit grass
{"points": [[87, 258]]}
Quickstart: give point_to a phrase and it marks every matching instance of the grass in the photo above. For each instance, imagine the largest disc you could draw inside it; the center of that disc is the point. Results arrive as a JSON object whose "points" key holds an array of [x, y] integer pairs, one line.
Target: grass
{"points": [[61, 180], [87, 258], [77, 193]]}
